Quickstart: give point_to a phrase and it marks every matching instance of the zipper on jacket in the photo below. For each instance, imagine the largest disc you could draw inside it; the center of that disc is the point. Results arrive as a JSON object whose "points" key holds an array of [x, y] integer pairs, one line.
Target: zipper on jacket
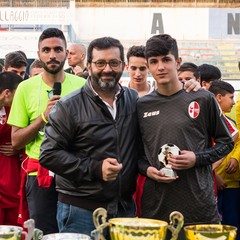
{"points": [[119, 161]]}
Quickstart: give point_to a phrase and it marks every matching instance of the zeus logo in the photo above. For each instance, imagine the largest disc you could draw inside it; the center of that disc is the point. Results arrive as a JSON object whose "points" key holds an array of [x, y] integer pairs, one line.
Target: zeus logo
{"points": [[150, 114]]}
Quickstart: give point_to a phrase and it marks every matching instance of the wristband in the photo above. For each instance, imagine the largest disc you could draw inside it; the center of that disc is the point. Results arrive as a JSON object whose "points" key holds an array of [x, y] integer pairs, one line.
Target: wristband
{"points": [[43, 118]]}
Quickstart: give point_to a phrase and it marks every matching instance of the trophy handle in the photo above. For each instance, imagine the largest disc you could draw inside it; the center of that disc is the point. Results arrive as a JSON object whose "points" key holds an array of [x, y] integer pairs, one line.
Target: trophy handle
{"points": [[100, 222], [37, 234], [32, 232], [30, 225], [176, 223]]}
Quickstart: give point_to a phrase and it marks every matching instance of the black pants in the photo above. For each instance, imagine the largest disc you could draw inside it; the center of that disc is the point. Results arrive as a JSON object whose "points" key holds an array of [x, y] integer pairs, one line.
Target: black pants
{"points": [[42, 205]]}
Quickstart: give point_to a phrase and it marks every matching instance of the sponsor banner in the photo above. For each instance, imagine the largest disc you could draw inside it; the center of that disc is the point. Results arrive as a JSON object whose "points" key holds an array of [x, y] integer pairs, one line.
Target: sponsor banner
{"points": [[34, 16], [133, 23], [224, 23], [141, 23]]}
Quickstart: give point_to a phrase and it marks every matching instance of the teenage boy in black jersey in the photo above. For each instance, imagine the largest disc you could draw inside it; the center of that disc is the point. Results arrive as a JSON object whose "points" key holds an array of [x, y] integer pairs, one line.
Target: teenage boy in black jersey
{"points": [[188, 120]]}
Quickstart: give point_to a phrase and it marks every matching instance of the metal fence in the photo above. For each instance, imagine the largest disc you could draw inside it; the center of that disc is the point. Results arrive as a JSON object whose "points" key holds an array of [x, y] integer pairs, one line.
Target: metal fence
{"points": [[121, 3]]}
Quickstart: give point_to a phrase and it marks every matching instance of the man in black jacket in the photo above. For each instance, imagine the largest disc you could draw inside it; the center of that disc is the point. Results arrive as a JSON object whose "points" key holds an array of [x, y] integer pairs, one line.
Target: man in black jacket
{"points": [[92, 143]]}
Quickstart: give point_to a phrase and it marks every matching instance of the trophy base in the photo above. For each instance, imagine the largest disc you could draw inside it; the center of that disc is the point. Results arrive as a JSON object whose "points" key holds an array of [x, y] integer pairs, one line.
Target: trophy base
{"points": [[168, 171]]}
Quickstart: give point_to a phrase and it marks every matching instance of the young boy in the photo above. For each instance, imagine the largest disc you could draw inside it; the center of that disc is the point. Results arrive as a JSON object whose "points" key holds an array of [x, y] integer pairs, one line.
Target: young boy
{"points": [[35, 68], [138, 71], [227, 173], [209, 73], [188, 71], [9, 158], [188, 121], [16, 62]]}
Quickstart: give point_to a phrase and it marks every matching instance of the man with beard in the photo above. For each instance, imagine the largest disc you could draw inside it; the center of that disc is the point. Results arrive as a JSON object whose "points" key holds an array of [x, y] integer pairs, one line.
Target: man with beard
{"points": [[29, 113], [91, 143]]}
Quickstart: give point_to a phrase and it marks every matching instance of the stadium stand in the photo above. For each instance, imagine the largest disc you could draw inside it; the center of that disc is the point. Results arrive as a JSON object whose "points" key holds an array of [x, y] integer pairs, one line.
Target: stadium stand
{"points": [[223, 55]]}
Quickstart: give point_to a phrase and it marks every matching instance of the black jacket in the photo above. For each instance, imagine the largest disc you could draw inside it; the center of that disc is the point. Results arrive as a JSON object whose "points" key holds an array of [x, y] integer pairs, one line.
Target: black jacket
{"points": [[80, 133], [83, 74]]}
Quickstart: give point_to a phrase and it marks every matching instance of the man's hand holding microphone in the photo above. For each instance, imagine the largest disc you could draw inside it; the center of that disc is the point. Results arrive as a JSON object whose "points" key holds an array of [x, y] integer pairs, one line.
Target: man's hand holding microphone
{"points": [[56, 92]]}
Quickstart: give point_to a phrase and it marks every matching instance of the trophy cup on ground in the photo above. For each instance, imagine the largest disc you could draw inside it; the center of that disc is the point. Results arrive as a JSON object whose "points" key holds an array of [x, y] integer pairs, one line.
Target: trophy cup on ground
{"points": [[136, 228], [166, 151], [210, 231], [8, 232]]}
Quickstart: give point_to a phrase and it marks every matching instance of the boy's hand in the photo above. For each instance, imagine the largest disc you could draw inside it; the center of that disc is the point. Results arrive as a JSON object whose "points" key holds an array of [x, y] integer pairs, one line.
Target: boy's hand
{"points": [[185, 160], [232, 166], [158, 176], [191, 85], [8, 150], [220, 182]]}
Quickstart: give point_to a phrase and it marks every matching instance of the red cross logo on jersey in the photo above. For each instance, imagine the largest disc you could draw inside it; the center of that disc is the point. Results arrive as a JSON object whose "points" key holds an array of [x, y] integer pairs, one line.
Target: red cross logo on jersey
{"points": [[194, 109], [3, 119]]}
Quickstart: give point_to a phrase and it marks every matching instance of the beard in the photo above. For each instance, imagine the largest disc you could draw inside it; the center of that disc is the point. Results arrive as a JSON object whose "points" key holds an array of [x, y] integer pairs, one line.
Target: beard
{"points": [[54, 70], [105, 85]]}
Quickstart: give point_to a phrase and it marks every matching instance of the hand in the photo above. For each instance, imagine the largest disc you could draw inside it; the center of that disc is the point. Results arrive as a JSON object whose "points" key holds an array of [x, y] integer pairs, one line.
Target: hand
{"points": [[191, 85], [110, 169], [7, 150], [51, 102], [217, 164], [77, 70], [158, 176], [232, 166], [220, 182], [185, 160]]}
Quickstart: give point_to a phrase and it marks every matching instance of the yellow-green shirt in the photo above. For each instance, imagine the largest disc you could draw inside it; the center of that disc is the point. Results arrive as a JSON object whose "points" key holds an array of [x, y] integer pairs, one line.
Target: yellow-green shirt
{"points": [[30, 101]]}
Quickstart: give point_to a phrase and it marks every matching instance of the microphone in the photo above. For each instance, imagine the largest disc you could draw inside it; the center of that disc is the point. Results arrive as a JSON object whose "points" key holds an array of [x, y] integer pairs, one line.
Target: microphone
{"points": [[57, 88]]}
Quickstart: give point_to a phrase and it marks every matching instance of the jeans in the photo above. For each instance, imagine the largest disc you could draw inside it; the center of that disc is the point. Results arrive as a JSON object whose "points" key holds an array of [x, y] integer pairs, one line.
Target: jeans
{"points": [[78, 220]]}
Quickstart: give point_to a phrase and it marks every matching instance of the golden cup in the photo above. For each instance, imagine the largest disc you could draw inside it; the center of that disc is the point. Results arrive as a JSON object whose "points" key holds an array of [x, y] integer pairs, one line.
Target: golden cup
{"points": [[135, 228], [8, 232], [210, 231]]}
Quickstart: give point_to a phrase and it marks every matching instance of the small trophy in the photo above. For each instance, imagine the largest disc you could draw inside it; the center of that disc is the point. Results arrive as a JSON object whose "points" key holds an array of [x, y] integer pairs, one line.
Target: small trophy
{"points": [[166, 151]]}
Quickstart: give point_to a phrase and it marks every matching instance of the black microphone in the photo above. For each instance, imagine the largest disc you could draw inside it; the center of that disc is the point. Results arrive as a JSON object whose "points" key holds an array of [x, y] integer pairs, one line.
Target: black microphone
{"points": [[57, 88]]}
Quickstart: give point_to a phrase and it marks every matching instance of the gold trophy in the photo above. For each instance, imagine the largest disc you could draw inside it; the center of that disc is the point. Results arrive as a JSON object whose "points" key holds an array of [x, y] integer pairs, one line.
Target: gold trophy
{"points": [[210, 231], [8, 232], [135, 228], [166, 151]]}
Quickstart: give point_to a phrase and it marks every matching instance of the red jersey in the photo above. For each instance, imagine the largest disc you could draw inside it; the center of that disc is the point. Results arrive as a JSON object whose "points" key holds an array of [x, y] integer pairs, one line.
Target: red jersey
{"points": [[9, 167]]}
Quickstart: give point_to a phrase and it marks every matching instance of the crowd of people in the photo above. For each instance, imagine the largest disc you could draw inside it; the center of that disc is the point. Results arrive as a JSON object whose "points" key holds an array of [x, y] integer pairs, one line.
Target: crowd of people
{"points": [[74, 140]]}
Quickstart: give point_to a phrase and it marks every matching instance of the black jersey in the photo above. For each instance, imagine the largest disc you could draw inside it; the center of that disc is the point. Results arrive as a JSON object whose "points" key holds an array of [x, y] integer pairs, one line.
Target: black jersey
{"points": [[190, 121]]}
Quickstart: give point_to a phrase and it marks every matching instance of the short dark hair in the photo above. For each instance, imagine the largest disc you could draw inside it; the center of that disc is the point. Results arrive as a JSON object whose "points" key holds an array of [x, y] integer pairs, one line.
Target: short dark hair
{"points": [[36, 64], [15, 59], [221, 87], [52, 32], [209, 73], [9, 80], [161, 45], [102, 44], [191, 67], [136, 51]]}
